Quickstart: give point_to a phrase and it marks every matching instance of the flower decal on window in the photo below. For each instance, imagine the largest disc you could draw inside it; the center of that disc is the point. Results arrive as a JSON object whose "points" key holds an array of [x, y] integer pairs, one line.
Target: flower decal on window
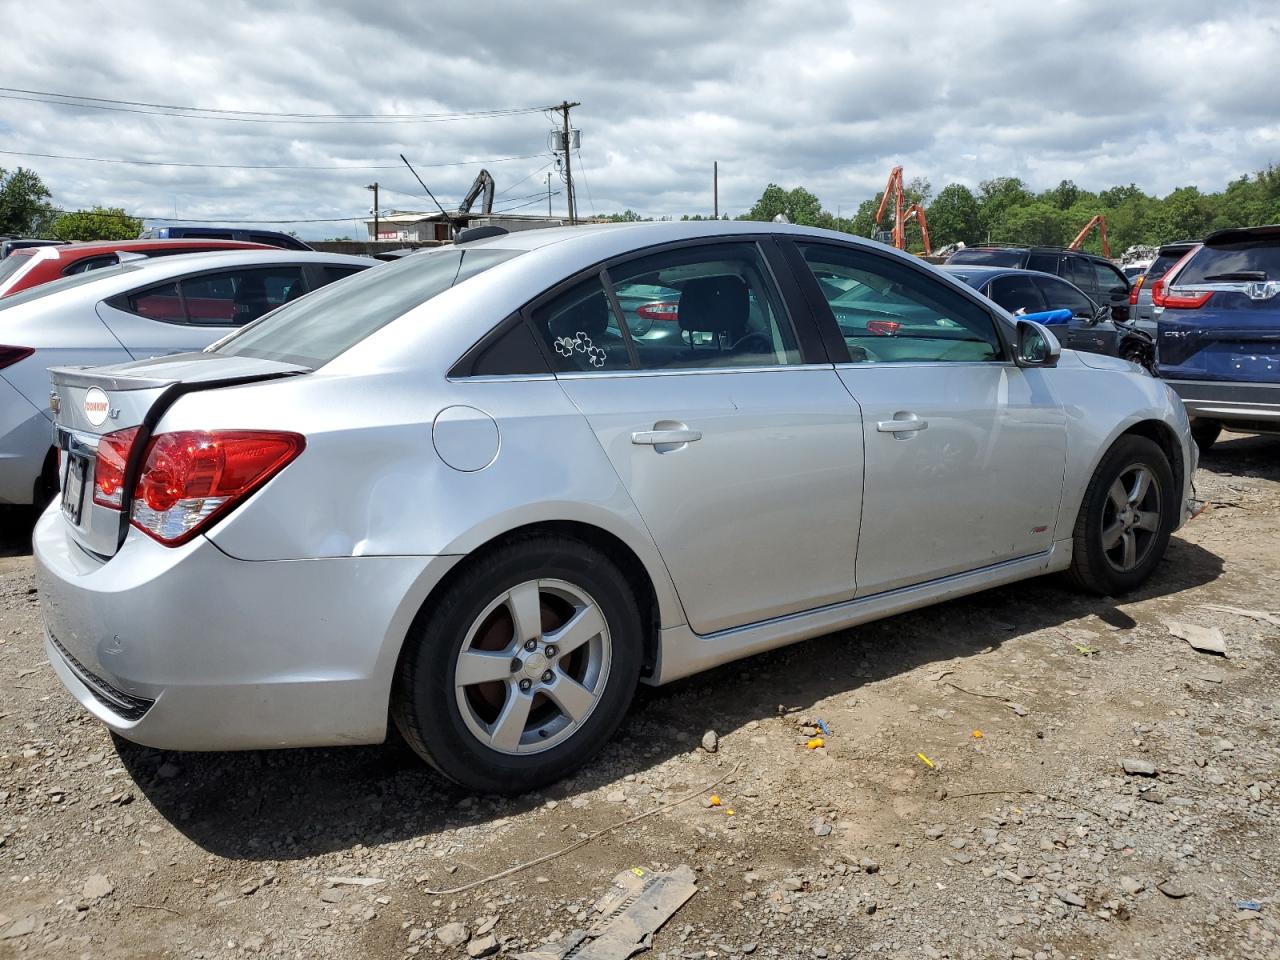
{"points": [[581, 343]]}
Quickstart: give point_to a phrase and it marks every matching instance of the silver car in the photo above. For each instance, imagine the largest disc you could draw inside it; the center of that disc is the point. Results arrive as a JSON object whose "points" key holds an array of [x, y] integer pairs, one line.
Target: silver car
{"points": [[443, 494], [137, 309]]}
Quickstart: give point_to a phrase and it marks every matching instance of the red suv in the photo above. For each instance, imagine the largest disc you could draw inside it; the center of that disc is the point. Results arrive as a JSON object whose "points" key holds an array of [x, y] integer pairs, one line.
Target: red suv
{"points": [[32, 266]]}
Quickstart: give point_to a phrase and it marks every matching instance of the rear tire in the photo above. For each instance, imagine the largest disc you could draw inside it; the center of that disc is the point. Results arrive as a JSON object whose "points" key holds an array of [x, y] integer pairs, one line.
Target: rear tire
{"points": [[1126, 518], [1205, 433], [523, 668]]}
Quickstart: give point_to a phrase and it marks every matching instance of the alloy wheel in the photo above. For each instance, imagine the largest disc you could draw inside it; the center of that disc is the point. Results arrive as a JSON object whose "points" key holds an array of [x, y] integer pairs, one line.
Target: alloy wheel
{"points": [[1131, 517], [532, 667]]}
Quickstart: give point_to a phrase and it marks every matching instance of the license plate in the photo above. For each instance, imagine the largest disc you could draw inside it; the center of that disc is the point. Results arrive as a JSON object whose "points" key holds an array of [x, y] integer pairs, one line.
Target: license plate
{"points": [[73, 489]]}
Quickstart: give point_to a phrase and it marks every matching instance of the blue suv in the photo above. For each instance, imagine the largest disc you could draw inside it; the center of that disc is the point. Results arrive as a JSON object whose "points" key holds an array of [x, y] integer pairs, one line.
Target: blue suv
{"points": [[1217, 316]]}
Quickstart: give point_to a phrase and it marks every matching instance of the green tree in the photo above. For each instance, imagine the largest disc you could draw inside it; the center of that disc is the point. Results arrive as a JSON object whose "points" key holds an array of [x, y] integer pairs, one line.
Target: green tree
{"points": [[100, 223], [626, 216], [995, 198], [953, 216], [24, 203], [1185, 214], [798, 206], [1033, 223]]}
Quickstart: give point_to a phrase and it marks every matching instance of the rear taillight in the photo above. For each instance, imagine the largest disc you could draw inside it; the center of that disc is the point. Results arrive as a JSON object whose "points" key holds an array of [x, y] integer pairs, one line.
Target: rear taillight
{"points": [[1133, 291], [1161, 297], [883, 328], [11, 355], [189, 478], [108, 472], [660, 310]]}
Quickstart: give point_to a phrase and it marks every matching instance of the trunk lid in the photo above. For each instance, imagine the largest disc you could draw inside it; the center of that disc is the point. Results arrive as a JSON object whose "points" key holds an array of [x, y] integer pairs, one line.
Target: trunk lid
{"points": [[90, 402]]}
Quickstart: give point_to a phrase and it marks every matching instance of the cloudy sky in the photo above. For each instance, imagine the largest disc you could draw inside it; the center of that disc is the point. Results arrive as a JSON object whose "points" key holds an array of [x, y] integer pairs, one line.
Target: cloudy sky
{"points": [[824, 95]]}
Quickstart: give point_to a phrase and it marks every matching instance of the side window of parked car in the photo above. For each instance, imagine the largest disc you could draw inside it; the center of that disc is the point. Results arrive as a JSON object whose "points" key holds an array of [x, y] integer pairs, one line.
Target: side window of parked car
{"points": [[1111, 283], [889, 312], [575, 326], [1080, 272], [1047, 262], [711, 305], [1058, 295], [229, 299], [1016, 292]]}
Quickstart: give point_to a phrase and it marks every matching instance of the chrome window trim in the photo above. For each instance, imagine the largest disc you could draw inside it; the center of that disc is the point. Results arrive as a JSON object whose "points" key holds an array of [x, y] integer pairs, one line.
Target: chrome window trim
{"points": [[685, 371]]}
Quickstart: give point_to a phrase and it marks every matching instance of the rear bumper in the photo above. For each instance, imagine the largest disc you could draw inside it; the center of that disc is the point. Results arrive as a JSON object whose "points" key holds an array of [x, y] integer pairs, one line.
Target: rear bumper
{"points": [[1254, 404], [189, 649]]}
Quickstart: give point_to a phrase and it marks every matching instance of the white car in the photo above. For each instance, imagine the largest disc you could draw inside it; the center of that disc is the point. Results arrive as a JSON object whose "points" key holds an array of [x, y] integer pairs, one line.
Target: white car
{"points": [[137, 309], [446, 492]]}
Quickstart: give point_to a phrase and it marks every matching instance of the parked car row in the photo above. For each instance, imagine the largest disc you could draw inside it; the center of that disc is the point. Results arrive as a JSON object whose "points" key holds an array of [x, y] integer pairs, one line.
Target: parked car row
{"points": [[473, 492], [161, 299]]}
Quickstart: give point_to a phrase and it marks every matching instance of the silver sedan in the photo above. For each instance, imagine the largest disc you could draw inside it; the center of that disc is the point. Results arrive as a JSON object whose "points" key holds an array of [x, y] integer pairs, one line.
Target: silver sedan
{"points": [[457, 493]]}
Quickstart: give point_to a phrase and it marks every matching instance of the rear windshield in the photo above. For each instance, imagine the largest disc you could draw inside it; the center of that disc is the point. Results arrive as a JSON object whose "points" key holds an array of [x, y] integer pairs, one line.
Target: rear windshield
{"points": [[64, 283], [312, 331], [991, 258], [1250, 260], [13, 263]]}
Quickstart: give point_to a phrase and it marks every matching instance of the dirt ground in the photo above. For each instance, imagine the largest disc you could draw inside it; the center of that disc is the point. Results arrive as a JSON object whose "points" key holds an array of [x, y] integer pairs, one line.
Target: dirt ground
{"points": [[1020, 835]]}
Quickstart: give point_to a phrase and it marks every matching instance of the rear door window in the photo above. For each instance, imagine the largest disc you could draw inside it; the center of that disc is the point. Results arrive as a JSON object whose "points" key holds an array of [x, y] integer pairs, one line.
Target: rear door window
{"points": [[159, 303], [1045, 262], [1016, 292], [715, 306], [1111, 283], [1080, 272], [237, 297], [1248, 261], [579, 331]]}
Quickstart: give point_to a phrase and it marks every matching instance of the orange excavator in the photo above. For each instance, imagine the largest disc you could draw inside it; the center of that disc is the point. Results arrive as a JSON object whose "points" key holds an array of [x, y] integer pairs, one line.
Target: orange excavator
{"points": [[902, 217], [1101, 223]]}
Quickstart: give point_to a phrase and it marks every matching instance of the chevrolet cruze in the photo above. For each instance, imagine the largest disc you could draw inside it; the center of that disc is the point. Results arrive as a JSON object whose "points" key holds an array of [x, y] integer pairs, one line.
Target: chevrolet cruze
{"points": [[458, 494]]}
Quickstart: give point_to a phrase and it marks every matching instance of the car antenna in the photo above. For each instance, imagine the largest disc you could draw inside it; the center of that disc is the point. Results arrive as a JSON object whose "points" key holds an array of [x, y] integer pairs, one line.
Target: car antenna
{"points": [[453, 225]]}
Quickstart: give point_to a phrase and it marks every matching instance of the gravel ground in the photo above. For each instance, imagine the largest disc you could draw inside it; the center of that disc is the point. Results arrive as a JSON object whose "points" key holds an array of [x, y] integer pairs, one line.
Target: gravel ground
{"points": [[971, 799]]}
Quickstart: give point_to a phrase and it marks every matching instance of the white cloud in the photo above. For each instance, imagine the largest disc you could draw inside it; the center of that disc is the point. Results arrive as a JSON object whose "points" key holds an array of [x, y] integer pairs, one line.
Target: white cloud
{"points": [[824, 95]]}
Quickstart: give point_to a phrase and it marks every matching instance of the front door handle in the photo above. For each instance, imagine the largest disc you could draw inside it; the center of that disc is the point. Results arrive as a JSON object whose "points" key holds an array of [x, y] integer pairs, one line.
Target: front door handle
{"points": [[903, 425], [658, 437]]}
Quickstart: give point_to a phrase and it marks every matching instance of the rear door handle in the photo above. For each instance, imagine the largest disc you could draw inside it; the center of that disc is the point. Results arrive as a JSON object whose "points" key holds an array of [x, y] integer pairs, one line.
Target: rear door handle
{"points": [[902, 425], [656, 437]]}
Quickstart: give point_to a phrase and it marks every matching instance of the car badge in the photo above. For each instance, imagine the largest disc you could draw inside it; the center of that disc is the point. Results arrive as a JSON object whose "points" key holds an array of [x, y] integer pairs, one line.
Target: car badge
{"points": [[97, 406]]}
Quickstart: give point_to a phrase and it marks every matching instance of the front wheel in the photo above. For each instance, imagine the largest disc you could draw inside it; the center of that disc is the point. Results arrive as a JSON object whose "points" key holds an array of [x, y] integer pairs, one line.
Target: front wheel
{"points": [[1125, 521], [523, 668]]}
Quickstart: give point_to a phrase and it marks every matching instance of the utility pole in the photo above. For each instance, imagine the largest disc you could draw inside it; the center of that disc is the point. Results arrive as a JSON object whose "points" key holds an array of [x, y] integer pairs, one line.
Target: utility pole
{"points": [[548, 193], [374, 188], [564, 109], [715, 189]]}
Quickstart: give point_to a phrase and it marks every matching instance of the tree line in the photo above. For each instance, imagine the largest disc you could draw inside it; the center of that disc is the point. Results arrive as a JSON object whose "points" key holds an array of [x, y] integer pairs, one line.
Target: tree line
{"points": [[1006, 210], [26, 210]]}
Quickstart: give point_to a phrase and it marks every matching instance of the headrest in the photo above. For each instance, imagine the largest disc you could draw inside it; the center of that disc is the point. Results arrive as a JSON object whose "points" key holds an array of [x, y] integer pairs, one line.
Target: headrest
{"points": [[589, 316], [715, 305]]}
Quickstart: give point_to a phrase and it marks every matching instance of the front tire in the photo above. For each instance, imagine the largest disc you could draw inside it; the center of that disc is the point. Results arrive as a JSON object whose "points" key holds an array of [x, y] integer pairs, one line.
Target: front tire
{"points": [[522, 670], [1128, 514]]}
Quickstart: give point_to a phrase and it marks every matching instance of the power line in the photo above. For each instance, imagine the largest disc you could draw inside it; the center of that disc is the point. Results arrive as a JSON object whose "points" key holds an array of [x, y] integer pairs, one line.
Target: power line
{"points": [[255, 166], [249, 116], [582, 171]]}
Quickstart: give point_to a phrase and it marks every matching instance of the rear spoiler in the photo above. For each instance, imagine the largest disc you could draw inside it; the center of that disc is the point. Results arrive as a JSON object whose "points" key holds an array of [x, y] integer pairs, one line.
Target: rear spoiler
{"points": [[1242, 235]]}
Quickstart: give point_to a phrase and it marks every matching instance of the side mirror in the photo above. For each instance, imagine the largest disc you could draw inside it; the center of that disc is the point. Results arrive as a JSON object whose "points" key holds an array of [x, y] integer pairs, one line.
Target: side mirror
{"points": [[1036, 346], [1101, 314]]}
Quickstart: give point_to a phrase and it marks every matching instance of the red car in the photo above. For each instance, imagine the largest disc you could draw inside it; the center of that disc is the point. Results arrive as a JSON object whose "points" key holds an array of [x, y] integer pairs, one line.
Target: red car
{"points": [[32, 266]]}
